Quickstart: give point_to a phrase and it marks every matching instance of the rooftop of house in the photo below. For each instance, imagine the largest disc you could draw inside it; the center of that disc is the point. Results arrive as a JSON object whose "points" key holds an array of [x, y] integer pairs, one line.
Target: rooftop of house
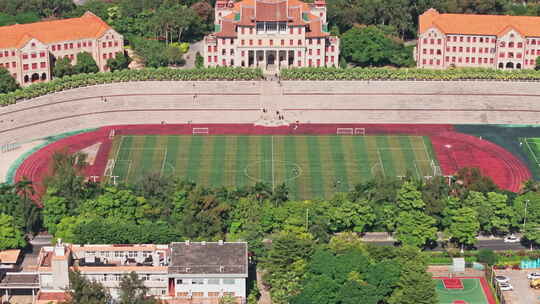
{"points": [[85, 27], [209, 258], [469, 24], [9, 256], [294, 12], [19, 279]]}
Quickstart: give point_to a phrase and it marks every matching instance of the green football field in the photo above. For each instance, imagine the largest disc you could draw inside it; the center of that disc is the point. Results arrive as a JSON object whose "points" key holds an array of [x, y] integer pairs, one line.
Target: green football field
{"points": [[531, 145], [472, 292], [311, 166]]}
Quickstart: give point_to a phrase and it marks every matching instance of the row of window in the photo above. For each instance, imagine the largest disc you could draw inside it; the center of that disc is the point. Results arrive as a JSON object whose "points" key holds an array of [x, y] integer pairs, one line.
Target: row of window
{"points": [[33, 55], [118, 254], [480, 39], [6, 54], [34, 65], [7, 65], [66, 46], [213, 281], [110, 55], [109, 44], [291, 30], [242, 42], [115, 277], [510, 55], [511, 44], [213, 294]]}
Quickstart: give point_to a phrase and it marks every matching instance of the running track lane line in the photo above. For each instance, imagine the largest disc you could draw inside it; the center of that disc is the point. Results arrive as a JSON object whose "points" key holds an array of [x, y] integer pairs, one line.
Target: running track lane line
{"points": [[256, 94], [248, 110]]}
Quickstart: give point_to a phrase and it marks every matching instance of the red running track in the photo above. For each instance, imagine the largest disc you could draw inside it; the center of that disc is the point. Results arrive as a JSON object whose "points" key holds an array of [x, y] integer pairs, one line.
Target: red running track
{"points": [[453, 150]]}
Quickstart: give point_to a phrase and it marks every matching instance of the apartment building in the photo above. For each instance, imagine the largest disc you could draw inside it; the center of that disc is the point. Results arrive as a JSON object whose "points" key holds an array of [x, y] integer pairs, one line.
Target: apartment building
{"points": [[177, 273], [271, 34], [29, 51], [486, 41]]}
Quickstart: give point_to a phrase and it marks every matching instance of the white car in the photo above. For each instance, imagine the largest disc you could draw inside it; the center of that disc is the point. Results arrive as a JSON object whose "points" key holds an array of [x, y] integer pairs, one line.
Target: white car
{"points": [[511, 239], [506, 286], [502, 279], [533, 275]]}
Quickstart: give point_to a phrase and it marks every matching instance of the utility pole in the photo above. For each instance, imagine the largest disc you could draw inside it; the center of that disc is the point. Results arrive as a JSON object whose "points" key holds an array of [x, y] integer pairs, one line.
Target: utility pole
{"points": [[525, 216], [307, 219]]}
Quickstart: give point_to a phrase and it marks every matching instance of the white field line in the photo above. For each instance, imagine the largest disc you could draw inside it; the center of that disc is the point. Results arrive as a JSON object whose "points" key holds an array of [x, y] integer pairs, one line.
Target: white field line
{"points": [[531, 151], [163, 163], [381, 162]]}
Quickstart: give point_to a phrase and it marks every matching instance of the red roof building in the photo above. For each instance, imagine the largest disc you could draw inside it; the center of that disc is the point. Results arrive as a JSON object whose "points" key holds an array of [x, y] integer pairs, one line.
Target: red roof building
{"points": [[28, 51], [488, 41], [271, 34]]}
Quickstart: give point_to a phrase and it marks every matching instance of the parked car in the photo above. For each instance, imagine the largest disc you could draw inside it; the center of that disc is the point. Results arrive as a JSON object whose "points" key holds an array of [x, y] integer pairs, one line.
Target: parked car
{"points": [[502, 279], [506, 286], [511, 239], [533, 275]]}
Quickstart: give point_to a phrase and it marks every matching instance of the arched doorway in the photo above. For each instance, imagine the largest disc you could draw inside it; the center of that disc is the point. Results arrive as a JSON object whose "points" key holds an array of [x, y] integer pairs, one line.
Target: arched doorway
{"points": [[35, 77], [509, 65], [518, 66], [501, 65], [43, 77], [26, 78]]}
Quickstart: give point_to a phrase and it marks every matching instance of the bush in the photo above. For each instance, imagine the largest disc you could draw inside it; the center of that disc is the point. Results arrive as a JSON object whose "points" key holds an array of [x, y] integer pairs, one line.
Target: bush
{"points": [[408, 74], [161, 74], [199, 61], [487, 256]]}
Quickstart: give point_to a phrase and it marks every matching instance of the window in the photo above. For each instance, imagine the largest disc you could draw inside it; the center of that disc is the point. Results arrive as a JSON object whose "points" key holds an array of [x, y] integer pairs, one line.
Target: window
{"points": [[438, 52], [84, 44], [310, 52], [455, 39], [229, 281], [460, 39], [453, 59], [34, 65], [332, 58], [282, 42], [181, 281], [425, 41], [448, 49], [25, 67], [42, 54], [310, 41], [78, 44], [319, 41], [7, 65], [242, 42], [333, 48], [309, 62], [299, 63], [116, 43], [318, 62], [223, 52], [209, 48], [213, 281], [520, 44], [197, 281], [14, 64], [510, 44], [299, 30], [432, 41], [242, 30], [213, 294], [89, 43], [299, 53], [318, 52], [54, 47], [473, 60], [431, 52], [454, 49], [473, 39], [460, 49], [104, 56], [291, 42], [260, 41], [243, 53], [468, 39], [250, 41], [271, 41], [438, 62], [439, 41], [423, 61], [466, 59], [291, 30], [33, 55], [71, 45], [209, 59], [468, 49], [12, 53], [223, 62], [447, 59], [299, 42], [43, 65]]}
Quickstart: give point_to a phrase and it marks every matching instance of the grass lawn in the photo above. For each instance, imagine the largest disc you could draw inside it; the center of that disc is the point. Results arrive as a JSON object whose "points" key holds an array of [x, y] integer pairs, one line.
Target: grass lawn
{"points": [[312, 166], [472, 292]]}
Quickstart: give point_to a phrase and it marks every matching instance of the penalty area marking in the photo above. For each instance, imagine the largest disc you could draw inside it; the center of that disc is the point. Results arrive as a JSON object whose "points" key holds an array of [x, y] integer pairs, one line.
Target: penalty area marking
{"points": [[299, 171]]}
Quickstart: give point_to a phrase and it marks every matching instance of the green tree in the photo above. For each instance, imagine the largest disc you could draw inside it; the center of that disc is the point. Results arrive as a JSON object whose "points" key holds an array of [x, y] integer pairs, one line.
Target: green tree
{"points": [[85, 64], [464, 226], [370, 46], [55, 208], [175, 56], [415, 228], [199, 61], [409, 198], [414, 288], [7, 82], [11, 235], [118, 204], [63, 67], [537, 65], [133, 291], [502, 213], [84, 291], [487, 256], [120, 62], [350, 216]]}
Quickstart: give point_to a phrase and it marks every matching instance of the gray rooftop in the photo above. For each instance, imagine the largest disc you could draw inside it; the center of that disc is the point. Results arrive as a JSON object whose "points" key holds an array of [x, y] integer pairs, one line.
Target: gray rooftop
{"points": [[19, 280], [209, 258]]}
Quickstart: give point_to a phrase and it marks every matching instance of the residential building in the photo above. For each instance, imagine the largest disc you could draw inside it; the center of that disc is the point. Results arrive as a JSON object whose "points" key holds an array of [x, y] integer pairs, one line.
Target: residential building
{"points": [[271, 34], [178, 273], [29, 51], [487, 41]]}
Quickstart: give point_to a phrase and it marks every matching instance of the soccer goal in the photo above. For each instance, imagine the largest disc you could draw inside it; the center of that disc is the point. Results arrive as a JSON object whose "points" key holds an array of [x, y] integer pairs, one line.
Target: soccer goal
{"points": [[345, 131], [201, 131]]}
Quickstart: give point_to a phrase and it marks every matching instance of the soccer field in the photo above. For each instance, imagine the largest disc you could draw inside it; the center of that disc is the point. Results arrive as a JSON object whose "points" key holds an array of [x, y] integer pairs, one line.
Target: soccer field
{"points": [[472, 293], [531, 145], [311, 166]]}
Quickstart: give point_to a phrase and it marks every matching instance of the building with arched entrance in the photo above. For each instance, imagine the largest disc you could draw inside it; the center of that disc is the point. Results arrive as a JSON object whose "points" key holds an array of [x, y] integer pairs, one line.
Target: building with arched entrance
{"points": [[28, 51], [271, 34], [487, 41]]}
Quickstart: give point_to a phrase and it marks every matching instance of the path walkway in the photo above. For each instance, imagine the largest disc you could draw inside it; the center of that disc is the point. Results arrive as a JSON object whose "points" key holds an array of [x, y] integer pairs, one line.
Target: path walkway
{"points": [[265, 293]]}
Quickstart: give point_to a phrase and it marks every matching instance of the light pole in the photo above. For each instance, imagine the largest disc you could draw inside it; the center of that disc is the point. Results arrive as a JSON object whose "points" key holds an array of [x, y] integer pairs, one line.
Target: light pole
{"points": [[525, 216]]}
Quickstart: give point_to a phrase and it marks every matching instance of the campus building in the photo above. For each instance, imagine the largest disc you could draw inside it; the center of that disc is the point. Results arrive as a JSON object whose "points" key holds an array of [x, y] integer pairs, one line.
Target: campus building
{"points": [[28, 51], [487, 41], [271, 34], [177, 273]]}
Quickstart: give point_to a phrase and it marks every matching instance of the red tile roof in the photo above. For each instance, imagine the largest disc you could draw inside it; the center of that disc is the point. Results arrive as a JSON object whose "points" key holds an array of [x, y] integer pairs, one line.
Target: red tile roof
{"points": [[85, 27], [468, 24], [290, 11]]}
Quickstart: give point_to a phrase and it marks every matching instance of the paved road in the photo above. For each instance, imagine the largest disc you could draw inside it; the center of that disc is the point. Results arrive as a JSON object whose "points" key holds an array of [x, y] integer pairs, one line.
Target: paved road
{"points": [[490, 244]]}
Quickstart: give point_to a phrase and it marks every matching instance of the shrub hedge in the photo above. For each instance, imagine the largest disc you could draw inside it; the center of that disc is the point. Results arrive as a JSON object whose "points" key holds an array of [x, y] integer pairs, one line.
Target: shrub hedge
{"points": [[160, 74], [408, 74]]}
